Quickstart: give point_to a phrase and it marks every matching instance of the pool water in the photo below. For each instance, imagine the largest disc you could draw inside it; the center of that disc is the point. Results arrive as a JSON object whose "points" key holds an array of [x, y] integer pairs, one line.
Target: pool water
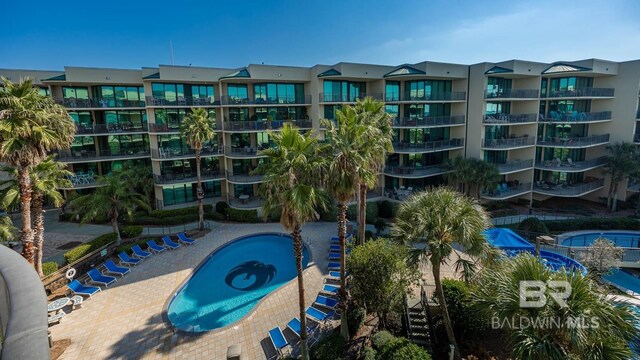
{"points": [[631, 240], [229, 284], [624, 280]]}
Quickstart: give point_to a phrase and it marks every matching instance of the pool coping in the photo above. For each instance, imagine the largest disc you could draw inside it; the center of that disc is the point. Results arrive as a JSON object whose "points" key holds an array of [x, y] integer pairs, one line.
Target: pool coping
{"points": [[165, 307], [569, 234]]}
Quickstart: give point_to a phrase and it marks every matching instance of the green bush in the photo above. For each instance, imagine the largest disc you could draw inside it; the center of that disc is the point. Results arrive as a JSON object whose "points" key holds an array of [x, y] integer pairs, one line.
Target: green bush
{"points": [[331, 214], [355, 319], [533, 225], [216, 216], [82, 250], [168, 221], [162, 214], [385, 209], [368, 354], [394, 209], [274, 216], [368, 234], [221, 207], [380, 339], [372, 212], [49, 267], [329, 348], [457, 294], [593, 223], [130, 231], [352, 212], [249, 216], [403, 349]]}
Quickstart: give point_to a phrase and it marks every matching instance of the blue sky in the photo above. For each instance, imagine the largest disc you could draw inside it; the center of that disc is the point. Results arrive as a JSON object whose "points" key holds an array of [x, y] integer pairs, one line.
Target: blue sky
{"points": [[131, 34]]}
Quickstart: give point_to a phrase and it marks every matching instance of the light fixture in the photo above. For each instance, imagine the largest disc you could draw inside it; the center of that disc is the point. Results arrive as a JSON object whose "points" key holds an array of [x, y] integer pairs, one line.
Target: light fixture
{"points": [[108, 78]]}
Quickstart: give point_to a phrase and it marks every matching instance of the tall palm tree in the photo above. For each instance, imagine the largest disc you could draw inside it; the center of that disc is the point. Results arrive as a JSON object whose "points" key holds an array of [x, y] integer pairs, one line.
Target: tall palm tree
{"points": [[197, 128], [111, 199], [31, 125], [460, 174], [623, 160], [377, 146], [484, 175], [436, 219], [291, 183]]}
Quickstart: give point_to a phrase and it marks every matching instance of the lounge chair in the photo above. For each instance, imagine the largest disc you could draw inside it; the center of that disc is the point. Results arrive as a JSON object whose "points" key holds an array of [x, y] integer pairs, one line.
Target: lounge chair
{"points": [[277, 339], [182, 237], [112, 268], [137, 251], [334, 257], [331, 289], [337, 251], [334, 275], [334, 247], [125, 259], [317, 315], [55, 318], [153, 246], [79, 289], [327, 302], [294, 325], [97, 277], [334, 266], [169, 243]]}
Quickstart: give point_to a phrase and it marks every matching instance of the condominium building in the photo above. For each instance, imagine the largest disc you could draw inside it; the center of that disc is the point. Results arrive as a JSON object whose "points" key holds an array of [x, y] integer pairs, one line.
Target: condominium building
{"points": [[545, 125]]}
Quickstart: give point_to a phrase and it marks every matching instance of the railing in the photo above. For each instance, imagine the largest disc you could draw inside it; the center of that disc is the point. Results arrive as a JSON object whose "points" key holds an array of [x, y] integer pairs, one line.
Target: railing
{"points": [[280, 100], [508, 143], [511, 94], [264, 125], [99, 103], [247, 151], [511, 166], [435, 96], [110, 128], [582, 92], [568, 190], [428, 145], [166, 128], [416, 171], [636, 138], [331, 97], [576, 141], [509, 118], [568, 165], [85, 155], [167, 153], [629, 254], [244, 177], [508, 192], [183, 101], [188, 177], [575, 116], [80, 180], [429, 121]]}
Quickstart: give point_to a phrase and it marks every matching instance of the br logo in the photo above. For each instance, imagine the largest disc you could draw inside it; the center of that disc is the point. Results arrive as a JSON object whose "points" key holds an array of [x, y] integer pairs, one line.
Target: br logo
{"points": [[240, 276], [533, 293]]}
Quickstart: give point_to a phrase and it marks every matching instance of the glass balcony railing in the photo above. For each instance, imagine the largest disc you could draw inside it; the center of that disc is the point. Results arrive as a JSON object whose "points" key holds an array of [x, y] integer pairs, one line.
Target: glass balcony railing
{"points": [[512, 166], [244, 178], [429, 121], [415, 171], [264, 125], [81, 180], [99, 103], [582, 92], [428, 146], [85, 155], [246, 151], [171, 153], [575, 141], [331, 97], [172, 178], [280, 100], [570, 165], [511, 94], [505, 191], [575, 116], [110, 129], [500, 119], [433, 96], [566, 189], [182, 101], [167, 128], [508, 143]]}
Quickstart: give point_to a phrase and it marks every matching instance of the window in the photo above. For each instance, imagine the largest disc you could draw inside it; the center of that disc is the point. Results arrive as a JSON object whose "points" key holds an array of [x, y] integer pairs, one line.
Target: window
{"points": [[171, 118], [392, 91], [418, 136], [238, 93], [119, 96], [392, 110], [75, 93], [122, 120], [244, 189], [426, 110], [116, 145], [81, 118], [427, 90], [183, 193], [330, 111], [496, 157], [238, 114], [496, 86], [202, 91], [169, 93], [43, 91], [343, 91], [497, 108], [278, 93], [566, 85]]}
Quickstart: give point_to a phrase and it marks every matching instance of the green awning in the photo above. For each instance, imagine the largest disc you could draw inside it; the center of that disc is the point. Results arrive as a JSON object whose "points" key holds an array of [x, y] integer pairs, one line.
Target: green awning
{"points": [[62, 77], [152, 76], [403, 71], [330, 72], [498, 70], [242, 73]]}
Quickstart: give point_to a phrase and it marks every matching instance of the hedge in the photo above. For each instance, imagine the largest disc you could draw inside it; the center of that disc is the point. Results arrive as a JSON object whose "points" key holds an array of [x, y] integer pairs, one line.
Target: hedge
{"points": [[49, 268], [385, 209], [216, 216], [168, 221], [82, 250], [162, 214], [250, 216], [593, 223], [221, 207], [130, 231], [329, 348], [533, 225]]}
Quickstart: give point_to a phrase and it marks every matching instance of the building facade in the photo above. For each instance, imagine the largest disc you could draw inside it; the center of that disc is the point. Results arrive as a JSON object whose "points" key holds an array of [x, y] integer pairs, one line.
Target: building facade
{"points": [[545, 125]]}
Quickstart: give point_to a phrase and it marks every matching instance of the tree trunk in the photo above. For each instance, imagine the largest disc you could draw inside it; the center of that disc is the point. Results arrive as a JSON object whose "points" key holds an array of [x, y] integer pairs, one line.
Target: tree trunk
{"points": [[342, 233], [199, 193], [26, 235], [38, 229], [610, 194], [114, 225], [297, 250], [614, 198], [443, 308], [362, 211]]}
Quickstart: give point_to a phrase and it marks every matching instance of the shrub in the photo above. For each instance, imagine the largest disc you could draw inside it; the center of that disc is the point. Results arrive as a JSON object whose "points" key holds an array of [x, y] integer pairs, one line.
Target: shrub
{"points": [[168, 221], [403, 349], [274, 215], [372, 212], [533, 225], [82, 250], [368, 234], [162, 214], [355, 319], [380, 339], [329, 348], [49, 267], [130, 231], [458, 298], [593, 223], [221, 207], [250, 216], [380, 225], [216, 216], [331, 214], [385, 209], [393, 322], [368, 354]]}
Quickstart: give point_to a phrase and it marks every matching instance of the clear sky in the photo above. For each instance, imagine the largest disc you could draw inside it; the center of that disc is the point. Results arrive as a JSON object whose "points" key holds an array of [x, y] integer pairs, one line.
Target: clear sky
{"points": [[49, 34]]}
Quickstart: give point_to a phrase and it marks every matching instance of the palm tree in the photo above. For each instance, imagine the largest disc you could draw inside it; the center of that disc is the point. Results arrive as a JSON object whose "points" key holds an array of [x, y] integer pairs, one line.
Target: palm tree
{"points": [[111, 199], [197, 129], [623, 160], [7, 231], [435, 219], [484, 175], [460, 174], [377, 145], [291, 184], [31, 125]]}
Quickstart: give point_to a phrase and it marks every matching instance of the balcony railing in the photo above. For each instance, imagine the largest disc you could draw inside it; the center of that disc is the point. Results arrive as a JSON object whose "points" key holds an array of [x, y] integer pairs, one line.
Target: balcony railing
{"points": [[501, 192], [110, 129], [511, 166], [575, 141], [508, 143], [439, 96], [99, 103], [84, 155], [182, 101], [170, 178], [570, 165], [511, 94], [582, 92], [280, 100], [415, 171], [509, 118], [171, 153], [636, 138], [330, 97], [82, 180], [568, 190], [575, 116], [264, 125], [427, 146], [247, 151], [167, 128], [429, 121], [243, 177]]}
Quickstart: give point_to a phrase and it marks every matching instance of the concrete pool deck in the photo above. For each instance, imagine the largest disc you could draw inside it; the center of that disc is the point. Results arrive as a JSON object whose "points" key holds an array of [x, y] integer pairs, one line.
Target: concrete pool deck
{"points": [[125, 321]]}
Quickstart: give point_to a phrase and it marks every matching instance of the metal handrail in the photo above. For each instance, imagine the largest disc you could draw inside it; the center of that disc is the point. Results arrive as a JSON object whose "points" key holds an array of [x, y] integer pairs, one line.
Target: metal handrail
{"points": [[582, 92], [188, 177], [249, 151], [563, 165], [429, 121], [575, 141], [575, 116], [513, 165], [429, 145], [264, 124], [243, 177], [511, 93], [279, 100], [508, 118], [510, 191], [83, 129], [331, 97], [575, 189], [168, 153], [183, 101], [99, 103], [510, 142], [416, 171], [65, 155]]}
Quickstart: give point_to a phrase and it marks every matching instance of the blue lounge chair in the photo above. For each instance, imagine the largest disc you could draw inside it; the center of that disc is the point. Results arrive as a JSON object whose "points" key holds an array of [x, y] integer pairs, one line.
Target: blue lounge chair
{"points": [[98, 278], [183, 238], [334, 275], [137, 251], [334, 248], [112, 268], [125, 259], [334, 257], [294, 325], [334, 266], [153, 246], [336, 240], [317, 315], [80, 289], [169, 243], [277, 339], [331, 289], [337, 251], [327, 302]]}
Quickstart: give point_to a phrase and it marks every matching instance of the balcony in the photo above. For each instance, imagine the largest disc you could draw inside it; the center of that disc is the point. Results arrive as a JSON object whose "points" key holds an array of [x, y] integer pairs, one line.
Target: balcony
{"points": [[183, 101], [109, 129], [280, 100], [415, 171], [252, 202], [511, 143], [83, 181], [575, 142], [101, 103], [344, 98], [171, 178], [171, 153], [429, 121], [264, 125], [505, 119], [244, 178], [440, 96], [427, 146], [175, 128], [513, 166], [243, 152], [72, 156], [636, 138], [511, 94], [576, 117], [565, 190], [504, 191], [583, 92], [570, 165]]}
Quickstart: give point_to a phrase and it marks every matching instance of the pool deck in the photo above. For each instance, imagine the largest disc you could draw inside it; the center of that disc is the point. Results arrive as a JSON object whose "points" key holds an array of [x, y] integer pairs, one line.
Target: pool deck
{"points": [[125, 320], [566, 235]]}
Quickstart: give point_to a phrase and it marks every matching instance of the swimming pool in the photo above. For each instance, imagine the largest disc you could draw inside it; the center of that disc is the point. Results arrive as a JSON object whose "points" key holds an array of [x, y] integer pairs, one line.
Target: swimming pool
{"points": [[621, 239], [624, 281], [232, 280]]}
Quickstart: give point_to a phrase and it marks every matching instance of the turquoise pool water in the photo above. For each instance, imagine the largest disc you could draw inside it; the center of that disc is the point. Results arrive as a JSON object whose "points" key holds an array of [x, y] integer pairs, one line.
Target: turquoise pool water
{"points": [[621, 239], [230, 283], [624, 280]]}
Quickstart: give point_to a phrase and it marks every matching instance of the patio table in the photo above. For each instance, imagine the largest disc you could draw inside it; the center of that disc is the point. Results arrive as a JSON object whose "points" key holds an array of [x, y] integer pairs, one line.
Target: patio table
{"points": [[58, 304]]}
